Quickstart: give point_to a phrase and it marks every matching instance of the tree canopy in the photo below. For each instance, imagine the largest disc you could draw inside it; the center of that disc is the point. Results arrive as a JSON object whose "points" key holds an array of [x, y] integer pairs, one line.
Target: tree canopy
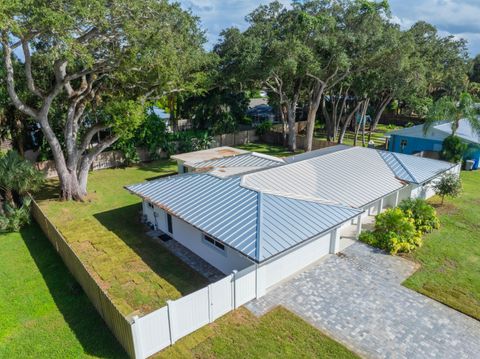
{"points": [[84, 57]]}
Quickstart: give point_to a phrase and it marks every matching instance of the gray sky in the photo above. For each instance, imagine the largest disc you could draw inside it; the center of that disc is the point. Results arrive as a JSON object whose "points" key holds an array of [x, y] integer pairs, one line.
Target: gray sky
{"points": [[460, 18]]}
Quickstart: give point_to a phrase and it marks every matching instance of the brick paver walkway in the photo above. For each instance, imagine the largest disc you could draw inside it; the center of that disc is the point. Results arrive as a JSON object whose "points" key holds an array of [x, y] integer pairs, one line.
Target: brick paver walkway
{"points": [[357, 298]]}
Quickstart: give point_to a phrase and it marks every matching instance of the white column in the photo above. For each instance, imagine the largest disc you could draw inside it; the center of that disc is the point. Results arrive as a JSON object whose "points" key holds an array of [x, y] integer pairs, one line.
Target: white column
{"points": [[334, 241], [380, 206], [397, 196], [359, 224]]}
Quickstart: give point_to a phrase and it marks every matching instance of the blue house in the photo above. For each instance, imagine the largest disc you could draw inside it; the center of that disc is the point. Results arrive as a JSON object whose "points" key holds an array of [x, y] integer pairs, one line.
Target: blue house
{"points": [[412, 140]]}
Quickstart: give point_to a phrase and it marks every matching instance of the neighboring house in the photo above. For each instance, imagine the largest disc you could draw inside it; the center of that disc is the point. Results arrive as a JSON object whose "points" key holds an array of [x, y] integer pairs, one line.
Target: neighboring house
{"points": [[412, 140], [285, 217]]}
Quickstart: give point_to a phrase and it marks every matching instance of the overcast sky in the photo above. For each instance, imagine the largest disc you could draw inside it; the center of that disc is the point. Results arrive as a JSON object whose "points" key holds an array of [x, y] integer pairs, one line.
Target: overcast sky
{"points": [[460, 18]]}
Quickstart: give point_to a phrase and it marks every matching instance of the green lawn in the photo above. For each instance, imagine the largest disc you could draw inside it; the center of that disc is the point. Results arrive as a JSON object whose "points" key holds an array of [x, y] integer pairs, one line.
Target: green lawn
{"points": [[45, 314], [378, 136], [277, 334], [106, 233], [450, 256], [271, 150]]}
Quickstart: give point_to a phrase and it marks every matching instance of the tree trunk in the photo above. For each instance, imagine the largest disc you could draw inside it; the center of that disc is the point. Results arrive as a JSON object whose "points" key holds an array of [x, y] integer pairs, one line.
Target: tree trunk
{"points": [[284, 115], [292, 135], [69, 186], [313, 105], [378, 115], [348, 121], [361, 124], [83, 175]]}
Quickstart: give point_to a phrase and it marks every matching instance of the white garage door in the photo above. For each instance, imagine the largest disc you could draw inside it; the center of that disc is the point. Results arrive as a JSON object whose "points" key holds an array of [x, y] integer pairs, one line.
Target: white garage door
{"points": [[291, 263]]}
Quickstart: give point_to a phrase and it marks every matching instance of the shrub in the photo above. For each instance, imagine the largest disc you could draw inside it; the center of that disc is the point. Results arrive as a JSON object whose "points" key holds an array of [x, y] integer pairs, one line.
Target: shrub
{"points": [[263, 128], [18, 177], [15, 218], [424, 216], [394, 232], [453, 149], [449, 185]]}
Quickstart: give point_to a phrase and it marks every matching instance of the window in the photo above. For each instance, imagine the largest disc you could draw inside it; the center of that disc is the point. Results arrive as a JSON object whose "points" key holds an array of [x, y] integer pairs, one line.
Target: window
{"points": [[169, 223], [403, 144], [214, 242], [150, 205]]}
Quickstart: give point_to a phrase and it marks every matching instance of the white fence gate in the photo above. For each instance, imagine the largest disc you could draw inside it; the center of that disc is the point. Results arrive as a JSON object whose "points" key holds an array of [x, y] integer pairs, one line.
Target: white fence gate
{"points": [[163, 327]]}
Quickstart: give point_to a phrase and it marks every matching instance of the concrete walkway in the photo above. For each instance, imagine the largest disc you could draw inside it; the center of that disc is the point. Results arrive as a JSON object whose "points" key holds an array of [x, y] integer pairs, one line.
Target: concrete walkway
{"points": [[357, 298]]}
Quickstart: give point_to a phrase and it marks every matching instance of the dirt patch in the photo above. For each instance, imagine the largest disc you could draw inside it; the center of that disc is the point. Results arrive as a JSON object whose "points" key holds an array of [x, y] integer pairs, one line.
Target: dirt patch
{"points": [[240, 317], [226, 152], [447, 265], [445, 209]]}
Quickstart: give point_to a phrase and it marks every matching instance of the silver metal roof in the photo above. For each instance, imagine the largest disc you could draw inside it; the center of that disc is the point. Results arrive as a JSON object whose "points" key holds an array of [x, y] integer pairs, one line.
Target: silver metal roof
{"points": [[397, 166], [258, 225], [315, 153], [423, 169], [286, 222], [355, 176], [252, 159]]}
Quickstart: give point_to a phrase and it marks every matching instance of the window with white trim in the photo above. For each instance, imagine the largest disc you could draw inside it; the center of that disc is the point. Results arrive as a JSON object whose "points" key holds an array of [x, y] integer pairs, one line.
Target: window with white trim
{"points": [[214, 242]]}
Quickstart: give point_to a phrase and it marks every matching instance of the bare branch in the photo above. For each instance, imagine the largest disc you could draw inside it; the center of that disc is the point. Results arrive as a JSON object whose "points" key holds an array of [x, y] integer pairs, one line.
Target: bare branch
{"points": [[28, 69], [10, 80], [89, 136]]}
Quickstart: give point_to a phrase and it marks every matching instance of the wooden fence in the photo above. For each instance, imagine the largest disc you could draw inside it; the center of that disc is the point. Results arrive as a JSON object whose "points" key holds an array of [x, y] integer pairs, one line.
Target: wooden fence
{"points": [[276, 138], [118, 324], [236, 138]]}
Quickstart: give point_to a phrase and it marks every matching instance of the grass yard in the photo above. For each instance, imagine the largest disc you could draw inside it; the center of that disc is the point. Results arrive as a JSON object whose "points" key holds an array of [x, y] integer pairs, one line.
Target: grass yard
{"points": [[277, 334], [450, 256], [271, 150], [106, 233], [45, 314], [378, 136]]}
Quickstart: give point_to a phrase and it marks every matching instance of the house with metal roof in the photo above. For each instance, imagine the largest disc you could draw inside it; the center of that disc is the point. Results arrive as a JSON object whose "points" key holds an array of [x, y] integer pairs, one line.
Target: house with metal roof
{"points": [[413, 140], [282, 215]]}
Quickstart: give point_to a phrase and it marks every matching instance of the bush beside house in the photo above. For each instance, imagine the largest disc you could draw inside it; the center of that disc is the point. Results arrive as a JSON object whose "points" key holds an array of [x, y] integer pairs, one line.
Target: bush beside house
{"points": [[400, 230]]}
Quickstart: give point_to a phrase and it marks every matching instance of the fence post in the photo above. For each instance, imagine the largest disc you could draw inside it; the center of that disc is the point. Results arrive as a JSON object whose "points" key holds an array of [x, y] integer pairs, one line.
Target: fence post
{"points": [[259, 281], [136, 336], [234, 288], [210, 304], [171, 318]]}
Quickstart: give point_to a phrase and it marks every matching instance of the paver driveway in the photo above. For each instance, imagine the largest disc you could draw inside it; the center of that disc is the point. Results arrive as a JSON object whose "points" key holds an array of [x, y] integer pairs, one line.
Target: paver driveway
{"points": [[356, 297]]}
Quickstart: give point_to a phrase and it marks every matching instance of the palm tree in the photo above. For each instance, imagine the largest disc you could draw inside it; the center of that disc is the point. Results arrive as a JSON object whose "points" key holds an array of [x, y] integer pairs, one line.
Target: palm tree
{"points": [[449, 109], [17, 178]]}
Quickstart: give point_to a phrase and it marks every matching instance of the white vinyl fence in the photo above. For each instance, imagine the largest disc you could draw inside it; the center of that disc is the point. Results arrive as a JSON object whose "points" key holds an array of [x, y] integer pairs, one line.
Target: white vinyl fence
{"points": [[163, 327]]}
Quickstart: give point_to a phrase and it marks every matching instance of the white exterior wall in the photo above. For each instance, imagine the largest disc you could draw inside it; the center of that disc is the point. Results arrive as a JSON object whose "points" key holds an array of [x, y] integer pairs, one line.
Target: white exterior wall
{"points": [[148, 212], [405, 193], [389, 201], [286, 265], [226, 261]]}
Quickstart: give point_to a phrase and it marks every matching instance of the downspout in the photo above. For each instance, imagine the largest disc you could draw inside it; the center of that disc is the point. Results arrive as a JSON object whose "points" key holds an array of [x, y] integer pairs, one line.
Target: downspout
{"points": [[259, 273]]}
